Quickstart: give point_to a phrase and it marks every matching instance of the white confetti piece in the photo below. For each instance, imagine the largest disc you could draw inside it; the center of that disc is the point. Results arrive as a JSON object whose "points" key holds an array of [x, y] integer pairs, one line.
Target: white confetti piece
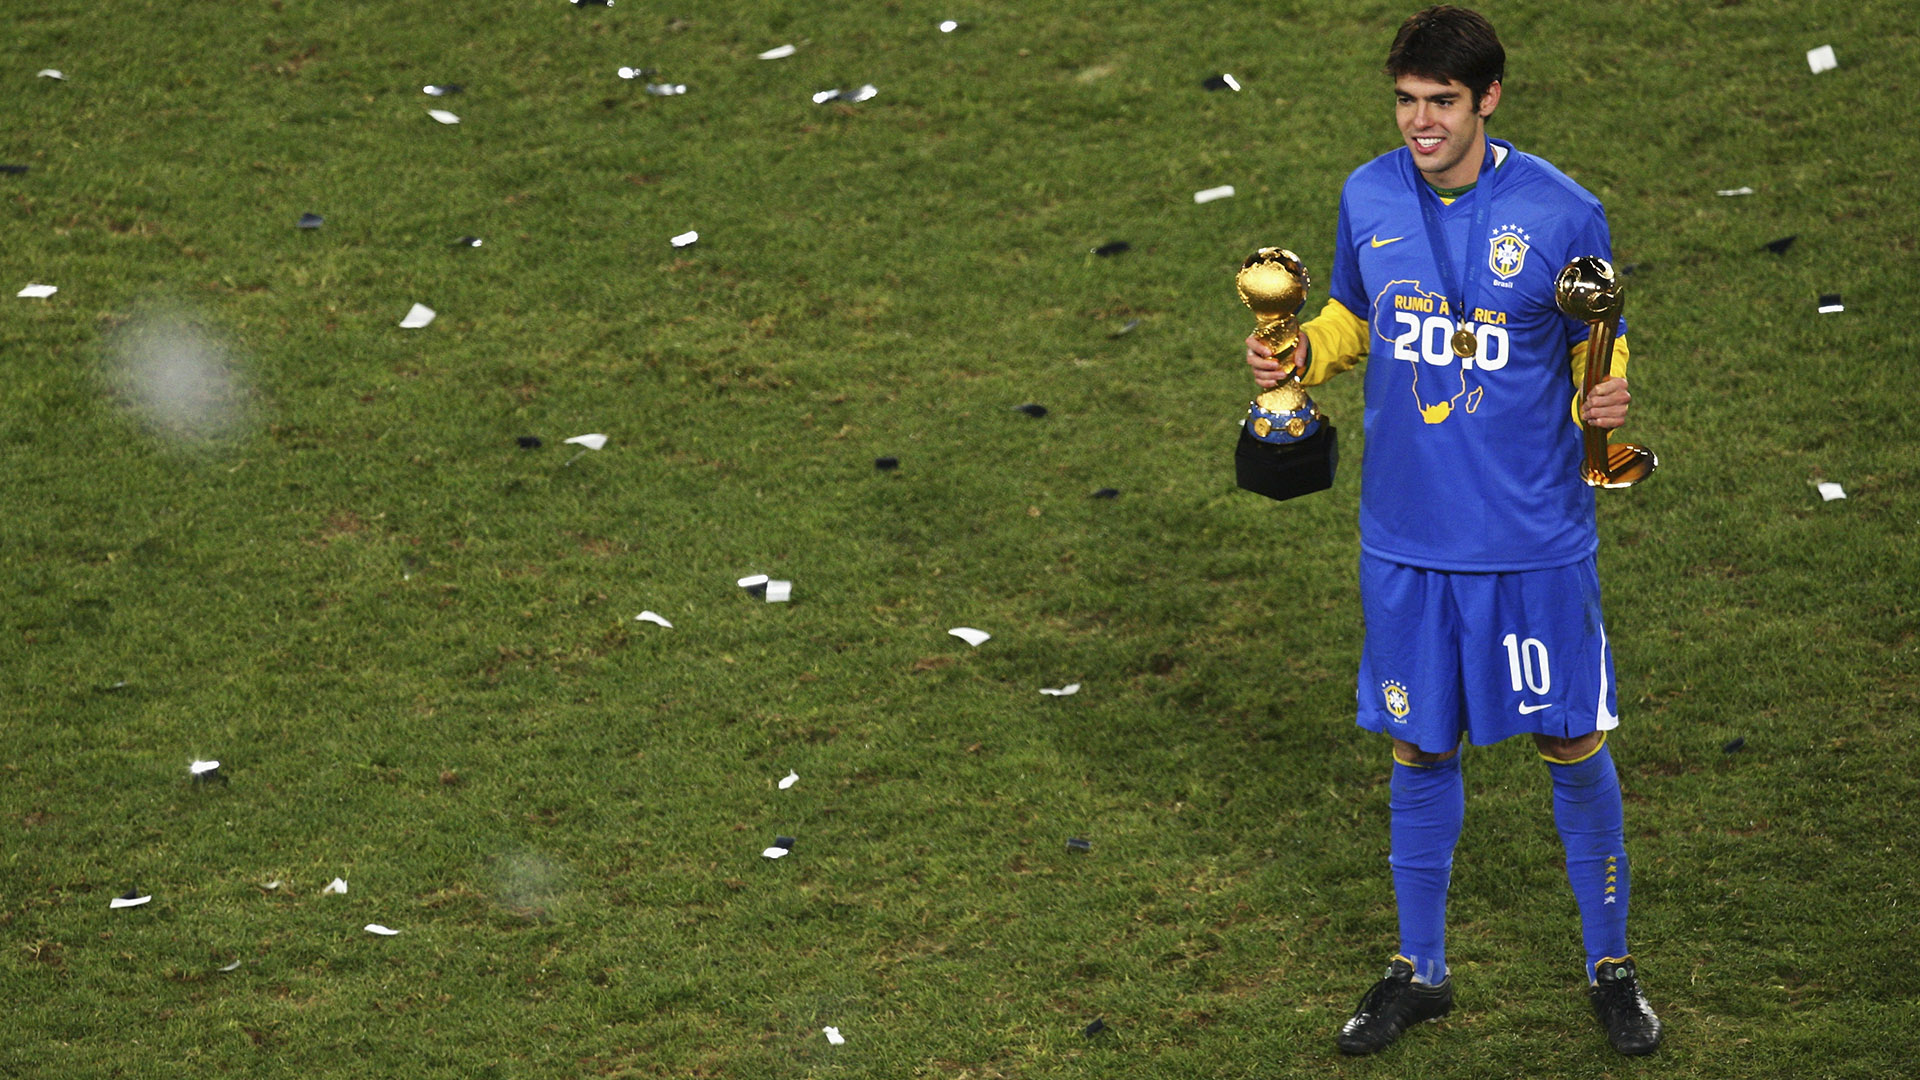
{"points": [[202, 768], [1830, 492], [969, 635], [789, 780], [592, 442], [1224, 191], [866, 93], [825, 96], [443, 116], [271, 885], [418, 316], [834, 1038], [383, 931], [38, 292], [779, 592], [1831, 305], [1822, 59], [1064, 691], [653, 617], [1232, 83], [49, 73], [685, 239], [751, 580], [235, 966], [127, 901], [666, 89], [780, 52], [337, 885], [1735, 191], [774, 853], [949, 26]]}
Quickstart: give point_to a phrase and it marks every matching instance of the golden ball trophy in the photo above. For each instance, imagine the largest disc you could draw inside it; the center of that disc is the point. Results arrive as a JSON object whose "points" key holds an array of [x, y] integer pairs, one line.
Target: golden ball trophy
{"points": [[1588, 290], [1287, 448]]}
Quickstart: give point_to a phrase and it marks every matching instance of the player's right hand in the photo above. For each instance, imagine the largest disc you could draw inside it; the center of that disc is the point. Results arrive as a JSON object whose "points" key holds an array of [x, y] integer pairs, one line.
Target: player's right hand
{"points": [[1269, 372]]}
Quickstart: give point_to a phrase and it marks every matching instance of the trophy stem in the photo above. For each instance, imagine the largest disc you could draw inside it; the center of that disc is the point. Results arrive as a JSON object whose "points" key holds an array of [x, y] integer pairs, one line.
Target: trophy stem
{"points": [[1595, 468]]}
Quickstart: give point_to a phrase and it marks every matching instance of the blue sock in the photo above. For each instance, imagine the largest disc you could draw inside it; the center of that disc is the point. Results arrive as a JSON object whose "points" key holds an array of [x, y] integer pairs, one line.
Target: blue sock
{"points": [[1429, 802], [1587, 810]]}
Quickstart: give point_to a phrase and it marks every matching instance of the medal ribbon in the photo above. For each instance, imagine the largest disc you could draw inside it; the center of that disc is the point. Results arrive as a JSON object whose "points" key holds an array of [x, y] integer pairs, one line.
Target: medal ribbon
{"points": [[1437, 236]]}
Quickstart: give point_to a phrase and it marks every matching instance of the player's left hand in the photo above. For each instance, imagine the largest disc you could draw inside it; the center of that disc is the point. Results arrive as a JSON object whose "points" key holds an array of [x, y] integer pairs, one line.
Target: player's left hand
{"points": [[1606, 407]]}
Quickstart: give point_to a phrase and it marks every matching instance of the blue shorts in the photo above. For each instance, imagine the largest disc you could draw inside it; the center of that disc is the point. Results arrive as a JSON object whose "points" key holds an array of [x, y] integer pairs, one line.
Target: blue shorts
{"points": [[1493, 655]]}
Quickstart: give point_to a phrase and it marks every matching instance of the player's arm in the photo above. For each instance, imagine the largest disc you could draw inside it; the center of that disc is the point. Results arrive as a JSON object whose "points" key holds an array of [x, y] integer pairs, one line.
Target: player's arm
{"points": [[1330, 343], [1336, 339], [1607, 407]]}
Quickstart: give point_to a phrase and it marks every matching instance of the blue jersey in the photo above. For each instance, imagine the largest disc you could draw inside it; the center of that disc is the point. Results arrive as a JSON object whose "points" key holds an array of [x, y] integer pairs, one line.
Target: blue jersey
{"points": [[1470, 465]]}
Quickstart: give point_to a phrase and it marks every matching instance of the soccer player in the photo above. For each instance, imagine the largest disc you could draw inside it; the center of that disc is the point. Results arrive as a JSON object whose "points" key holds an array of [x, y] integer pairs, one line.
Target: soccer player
{"points": [[1477, 535]]}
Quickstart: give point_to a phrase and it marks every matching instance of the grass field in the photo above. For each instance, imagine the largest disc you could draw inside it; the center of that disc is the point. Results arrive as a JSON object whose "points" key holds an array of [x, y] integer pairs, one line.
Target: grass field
{"points": [[311, 548]]}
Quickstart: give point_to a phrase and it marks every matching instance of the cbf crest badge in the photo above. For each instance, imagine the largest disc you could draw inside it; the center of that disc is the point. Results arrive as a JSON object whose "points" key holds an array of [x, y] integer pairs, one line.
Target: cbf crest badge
{"points": [[1507, 252], [1397, 701]]}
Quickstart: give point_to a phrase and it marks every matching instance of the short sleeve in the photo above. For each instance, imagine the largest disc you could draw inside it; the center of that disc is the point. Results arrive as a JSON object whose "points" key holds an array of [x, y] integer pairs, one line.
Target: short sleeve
{"points": [[1592, 238], [1345, 284]]}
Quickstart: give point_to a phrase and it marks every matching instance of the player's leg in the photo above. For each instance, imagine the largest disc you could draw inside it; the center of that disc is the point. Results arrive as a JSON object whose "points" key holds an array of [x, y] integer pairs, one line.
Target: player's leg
{"points": [[1408, 689], [1590, 815], [1542, 663]]}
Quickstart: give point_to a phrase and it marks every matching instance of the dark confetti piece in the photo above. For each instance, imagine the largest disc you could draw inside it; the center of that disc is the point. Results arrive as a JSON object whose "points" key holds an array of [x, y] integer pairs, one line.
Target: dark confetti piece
{"points": [[529, 442], [1114, 248], [784, 842], [1035, 411], [1107, 493], [311, 221], [1094, 1028], [1074, 843], [1735, 746], [13, 170], [1780, 246], [886, 463]]}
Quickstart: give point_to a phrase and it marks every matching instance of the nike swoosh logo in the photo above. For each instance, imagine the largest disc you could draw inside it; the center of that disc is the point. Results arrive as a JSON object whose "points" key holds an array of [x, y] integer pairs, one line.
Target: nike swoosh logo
{"points": [[1528, 710], [1377, 242]]}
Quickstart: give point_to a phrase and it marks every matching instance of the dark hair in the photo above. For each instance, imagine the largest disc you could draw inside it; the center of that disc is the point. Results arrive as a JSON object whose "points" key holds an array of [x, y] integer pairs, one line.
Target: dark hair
{"points": [[1445, 43]]}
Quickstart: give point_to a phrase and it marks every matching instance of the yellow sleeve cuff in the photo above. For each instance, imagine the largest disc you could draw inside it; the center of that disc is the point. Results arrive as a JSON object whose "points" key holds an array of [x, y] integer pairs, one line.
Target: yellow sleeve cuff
{"points": [[1617, 369], [1336, 340]]}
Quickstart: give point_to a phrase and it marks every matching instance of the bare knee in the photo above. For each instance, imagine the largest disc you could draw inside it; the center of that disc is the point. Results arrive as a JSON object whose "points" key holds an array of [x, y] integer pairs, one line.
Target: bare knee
{"points": [[1410, 754], [1555, 748]]}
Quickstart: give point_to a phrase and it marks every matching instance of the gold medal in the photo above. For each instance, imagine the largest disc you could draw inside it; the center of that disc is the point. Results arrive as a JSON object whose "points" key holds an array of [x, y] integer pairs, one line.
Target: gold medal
{"points": [[1463, 343]]}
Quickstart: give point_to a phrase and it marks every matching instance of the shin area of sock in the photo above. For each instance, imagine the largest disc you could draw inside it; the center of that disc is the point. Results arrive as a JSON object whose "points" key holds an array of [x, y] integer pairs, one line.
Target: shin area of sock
{"points": [[1429, 804], [1588, 811]]}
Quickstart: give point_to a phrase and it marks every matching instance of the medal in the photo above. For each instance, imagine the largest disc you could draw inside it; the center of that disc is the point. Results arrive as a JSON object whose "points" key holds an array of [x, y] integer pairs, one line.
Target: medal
{"points": [[1452, 276]]}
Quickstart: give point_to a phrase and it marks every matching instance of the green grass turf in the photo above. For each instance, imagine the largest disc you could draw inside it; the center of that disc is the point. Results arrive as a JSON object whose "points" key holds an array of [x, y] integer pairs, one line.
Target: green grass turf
{"points": [[411, 643]]}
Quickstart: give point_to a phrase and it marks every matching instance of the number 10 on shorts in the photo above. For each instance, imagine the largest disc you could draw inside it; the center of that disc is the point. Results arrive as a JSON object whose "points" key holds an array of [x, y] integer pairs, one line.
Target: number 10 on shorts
{"points": [[1528, 659]]}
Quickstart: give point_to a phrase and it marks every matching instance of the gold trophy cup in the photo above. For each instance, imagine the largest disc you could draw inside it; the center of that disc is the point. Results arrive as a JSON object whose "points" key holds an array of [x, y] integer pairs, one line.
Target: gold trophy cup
{"points": [[1287, 448], [1588, 290]]}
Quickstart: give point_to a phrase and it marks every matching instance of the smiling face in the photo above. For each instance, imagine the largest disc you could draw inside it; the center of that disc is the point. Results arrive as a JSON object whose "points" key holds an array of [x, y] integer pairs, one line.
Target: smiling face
{"points": [[1443, 128]]}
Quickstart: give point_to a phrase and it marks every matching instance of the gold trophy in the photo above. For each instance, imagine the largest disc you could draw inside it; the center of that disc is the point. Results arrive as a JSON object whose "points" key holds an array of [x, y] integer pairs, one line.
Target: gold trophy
{"points": [[1588, 290], [1287, 447]]}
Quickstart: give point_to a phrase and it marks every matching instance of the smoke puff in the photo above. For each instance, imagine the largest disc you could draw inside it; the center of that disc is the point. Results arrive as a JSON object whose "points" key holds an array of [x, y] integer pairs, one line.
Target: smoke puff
{"points": [[179, 378]]}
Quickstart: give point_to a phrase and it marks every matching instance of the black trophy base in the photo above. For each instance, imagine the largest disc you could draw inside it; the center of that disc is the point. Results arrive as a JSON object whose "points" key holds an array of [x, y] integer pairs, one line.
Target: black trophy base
{"points": [[1284, 471]]}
